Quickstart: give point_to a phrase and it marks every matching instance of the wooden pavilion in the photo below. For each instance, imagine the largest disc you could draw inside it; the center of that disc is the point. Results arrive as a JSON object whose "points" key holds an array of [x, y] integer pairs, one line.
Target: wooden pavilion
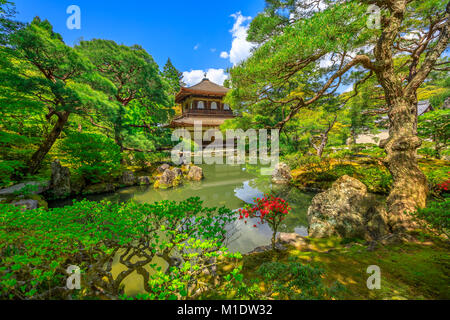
{"points": [[202, 103]]}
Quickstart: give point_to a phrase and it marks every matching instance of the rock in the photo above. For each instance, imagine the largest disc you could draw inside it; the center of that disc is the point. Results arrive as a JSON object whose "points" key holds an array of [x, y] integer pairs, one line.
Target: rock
{"points": [[163, 168], [99, 188], [446, 104], [347, 211], [60, 181], [37, 187], [128, 178], [282, 174], [195, 173], [26, 204], [178, 172], [168, 179], [278, 246], [144, 181], [292, 239], [186, 168]]}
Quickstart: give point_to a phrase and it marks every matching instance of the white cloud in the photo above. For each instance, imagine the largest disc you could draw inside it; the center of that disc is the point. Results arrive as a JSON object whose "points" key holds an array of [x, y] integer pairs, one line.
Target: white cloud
{"points": [[213, 49], [349, 89], [197, 46], [195, 76], [240, 47]]}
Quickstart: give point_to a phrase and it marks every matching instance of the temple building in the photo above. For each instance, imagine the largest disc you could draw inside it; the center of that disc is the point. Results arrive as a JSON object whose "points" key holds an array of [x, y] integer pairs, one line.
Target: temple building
{"points": [[202, 103]]}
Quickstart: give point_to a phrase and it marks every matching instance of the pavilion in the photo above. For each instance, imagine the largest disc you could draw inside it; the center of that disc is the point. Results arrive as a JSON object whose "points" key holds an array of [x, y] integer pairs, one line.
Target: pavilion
{"points": [[202, 103]]}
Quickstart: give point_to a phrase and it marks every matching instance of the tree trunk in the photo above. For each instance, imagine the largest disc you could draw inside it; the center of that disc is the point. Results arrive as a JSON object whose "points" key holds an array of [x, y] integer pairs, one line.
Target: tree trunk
{"points": [[35, 162], [410, 187], [322, 145]]}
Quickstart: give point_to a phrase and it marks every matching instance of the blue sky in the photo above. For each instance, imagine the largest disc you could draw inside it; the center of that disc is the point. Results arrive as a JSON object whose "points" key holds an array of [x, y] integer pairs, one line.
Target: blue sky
{"points": [[197, 35]]}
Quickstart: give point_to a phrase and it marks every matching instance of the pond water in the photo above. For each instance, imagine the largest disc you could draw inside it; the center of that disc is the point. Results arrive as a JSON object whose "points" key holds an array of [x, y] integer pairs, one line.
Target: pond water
{"points": [[226, 185]]}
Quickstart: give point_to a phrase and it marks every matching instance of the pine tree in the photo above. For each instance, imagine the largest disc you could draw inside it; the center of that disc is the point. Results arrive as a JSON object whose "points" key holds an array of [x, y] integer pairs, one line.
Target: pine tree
{"points": [[173, 76]]}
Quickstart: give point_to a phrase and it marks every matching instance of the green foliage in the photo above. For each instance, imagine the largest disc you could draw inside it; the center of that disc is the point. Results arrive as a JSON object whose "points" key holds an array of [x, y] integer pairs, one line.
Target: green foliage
{"points": [[139, 91], [173, 77], [435, 217], [7, 24], [294, 280], [93, 156], [37, 246], [435, 125], [43, 82], [7, 170]]}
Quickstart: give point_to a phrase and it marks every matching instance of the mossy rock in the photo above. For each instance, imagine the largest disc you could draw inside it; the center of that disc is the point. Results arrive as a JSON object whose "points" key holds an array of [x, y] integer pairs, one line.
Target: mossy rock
{"points": [[40, 200]]}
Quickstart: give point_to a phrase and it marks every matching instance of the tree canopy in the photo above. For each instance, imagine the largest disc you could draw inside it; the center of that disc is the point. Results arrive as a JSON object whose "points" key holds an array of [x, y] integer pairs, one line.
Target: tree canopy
{"points": [[307, 51]]}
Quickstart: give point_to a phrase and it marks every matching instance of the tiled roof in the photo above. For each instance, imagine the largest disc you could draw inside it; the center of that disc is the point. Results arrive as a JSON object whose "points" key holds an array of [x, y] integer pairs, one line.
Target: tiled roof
{"points": [[205, 121], [205, 87]]}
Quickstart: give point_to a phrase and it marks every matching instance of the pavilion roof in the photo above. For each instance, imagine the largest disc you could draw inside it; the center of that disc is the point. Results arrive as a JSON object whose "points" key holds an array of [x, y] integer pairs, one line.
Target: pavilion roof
{"points": [[206, 121], [204, 88]]}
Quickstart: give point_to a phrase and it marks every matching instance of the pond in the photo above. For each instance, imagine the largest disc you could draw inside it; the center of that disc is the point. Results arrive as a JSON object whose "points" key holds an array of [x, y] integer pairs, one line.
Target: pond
{"points": [[225, 185]]}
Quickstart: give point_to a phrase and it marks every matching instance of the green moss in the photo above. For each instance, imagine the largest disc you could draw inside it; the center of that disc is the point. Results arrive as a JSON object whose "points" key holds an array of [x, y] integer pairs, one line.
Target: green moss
{"points": [[370, 171], [418, 270]]}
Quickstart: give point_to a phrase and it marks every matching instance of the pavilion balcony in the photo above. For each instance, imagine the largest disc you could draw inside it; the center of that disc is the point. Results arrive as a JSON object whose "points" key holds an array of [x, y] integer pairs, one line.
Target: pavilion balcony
{"points": [[205, 112]]}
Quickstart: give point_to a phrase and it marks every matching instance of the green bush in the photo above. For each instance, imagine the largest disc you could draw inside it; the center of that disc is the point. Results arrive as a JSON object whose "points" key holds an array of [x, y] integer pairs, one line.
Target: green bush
{"points": [[295, 281], [435, 217], [37, 246], [93, 156], [7, 170]]}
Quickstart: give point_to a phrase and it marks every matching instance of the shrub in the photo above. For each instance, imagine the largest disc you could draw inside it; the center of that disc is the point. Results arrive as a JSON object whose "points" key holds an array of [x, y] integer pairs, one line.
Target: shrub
{"points": [[269, 209], [37, 246], [295, 281], [93, 156], [7, 170], [435, 217]]}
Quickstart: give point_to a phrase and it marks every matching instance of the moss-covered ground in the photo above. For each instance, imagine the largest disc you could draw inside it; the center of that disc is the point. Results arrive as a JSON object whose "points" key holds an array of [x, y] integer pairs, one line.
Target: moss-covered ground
{"points": [[415, 270]]}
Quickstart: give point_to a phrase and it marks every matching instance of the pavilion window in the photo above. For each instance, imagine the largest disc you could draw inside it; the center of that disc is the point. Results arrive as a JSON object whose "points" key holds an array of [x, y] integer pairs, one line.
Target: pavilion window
{"points": [[214, 106], [226, 107], [201, 105]]}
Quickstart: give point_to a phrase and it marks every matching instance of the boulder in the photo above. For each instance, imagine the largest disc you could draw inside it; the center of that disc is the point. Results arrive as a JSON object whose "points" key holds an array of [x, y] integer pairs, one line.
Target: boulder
{"points": [[346, 210], [292, 239], [195, 173], [282, 174], [60, 181], [178, 172], [36, 187], [163, 168], [128, 178], [144, 181], [27, 204], [186, 168], [278, 246], [168, 179]]}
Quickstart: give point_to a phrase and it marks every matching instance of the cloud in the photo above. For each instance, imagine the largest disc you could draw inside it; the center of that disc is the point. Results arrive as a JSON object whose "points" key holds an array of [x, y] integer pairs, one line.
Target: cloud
{"points": [[349, 89], [195, 76], [197, 46], [213, 49], [240, 47]]}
